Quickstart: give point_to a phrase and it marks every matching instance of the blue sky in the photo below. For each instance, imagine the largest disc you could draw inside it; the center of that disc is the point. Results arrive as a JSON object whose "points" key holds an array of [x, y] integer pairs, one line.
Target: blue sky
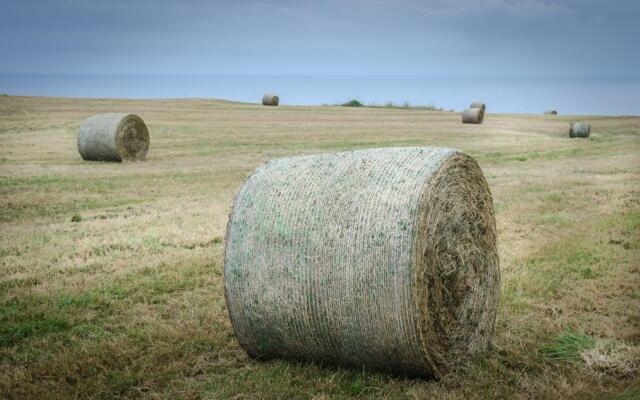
{"points": [[333, 37]]}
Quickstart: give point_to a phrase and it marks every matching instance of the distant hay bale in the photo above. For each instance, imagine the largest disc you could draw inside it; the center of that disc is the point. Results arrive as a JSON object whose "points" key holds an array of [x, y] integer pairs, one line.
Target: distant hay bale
{"points": [[384, 258], [113, 137], [551, 112], [270, 100], [473, 116], [478, 104], [579, 129]]}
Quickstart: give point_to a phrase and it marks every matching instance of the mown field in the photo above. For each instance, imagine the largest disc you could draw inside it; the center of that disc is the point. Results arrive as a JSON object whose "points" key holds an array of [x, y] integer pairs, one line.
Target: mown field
{"points": [[111, 274]]}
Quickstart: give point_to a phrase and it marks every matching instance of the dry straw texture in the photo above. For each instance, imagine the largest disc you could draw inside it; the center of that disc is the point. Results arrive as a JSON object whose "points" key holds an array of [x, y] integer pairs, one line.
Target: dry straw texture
{"points": [[473, 116], [614, 358], [579, 129], [270, 100], [383, 258], [113, 137]]}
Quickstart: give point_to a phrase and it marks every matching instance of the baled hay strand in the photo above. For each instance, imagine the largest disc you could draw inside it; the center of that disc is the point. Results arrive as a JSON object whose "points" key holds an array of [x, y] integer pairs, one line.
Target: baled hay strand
{"points": [[383, 258], [270, 100], [551, 112], [113, 137], [473, 116], [579, 129], [479, 104]]}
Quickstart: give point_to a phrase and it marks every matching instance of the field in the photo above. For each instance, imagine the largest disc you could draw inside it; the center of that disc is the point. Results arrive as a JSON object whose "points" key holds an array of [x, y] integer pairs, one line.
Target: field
{"points": [[111, 274]]}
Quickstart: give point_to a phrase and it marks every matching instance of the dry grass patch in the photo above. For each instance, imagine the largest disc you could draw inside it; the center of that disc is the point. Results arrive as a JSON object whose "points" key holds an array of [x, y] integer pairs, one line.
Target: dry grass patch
{"points": [[127, 302]]}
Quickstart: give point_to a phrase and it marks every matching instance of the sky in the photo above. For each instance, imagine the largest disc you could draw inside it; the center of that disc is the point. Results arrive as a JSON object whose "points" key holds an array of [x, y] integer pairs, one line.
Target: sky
{"points": [[331, 37]]}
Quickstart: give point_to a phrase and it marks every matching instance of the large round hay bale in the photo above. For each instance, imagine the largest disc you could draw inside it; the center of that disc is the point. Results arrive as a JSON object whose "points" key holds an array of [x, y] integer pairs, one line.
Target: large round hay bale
{"points": [[579, 129], [270, 100], [551, 112], [479, 104], [113, 137], [472, 116], [383, 258]]}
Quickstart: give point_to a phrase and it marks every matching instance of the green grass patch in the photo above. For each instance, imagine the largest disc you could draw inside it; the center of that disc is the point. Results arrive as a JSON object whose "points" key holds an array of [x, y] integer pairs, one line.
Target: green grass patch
{"points": [[21, 320], [626, 228], [631, 221], [18, 283], [628, 221], [552, 218], [288, 148], [514, 299], [28, 211], [61, 314], [153, 244], [546, 274], [85, 314], [159, 284], [499, 206], [553, 197], [635, 294], [11, 334], [567, 346], [359, 387], [95, 185], [101, 297], [547, 155]]}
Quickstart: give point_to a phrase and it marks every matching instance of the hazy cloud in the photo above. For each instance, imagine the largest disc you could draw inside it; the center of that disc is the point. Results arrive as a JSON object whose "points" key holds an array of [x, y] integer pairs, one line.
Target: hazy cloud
{"points": [[469, 37]]}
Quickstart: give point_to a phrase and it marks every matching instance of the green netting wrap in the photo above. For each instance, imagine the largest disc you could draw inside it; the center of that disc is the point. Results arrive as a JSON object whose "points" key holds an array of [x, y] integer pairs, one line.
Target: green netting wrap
{"points": [[113, 137], [383, 258]]}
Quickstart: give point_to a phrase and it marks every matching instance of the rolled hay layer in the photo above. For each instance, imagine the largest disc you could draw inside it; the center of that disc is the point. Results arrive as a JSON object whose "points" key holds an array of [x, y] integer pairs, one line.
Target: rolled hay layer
{"points": [[479, 104], [113, 137], [270, 100], [579, 129], [551, 112], [473, 116], [384, 258]]}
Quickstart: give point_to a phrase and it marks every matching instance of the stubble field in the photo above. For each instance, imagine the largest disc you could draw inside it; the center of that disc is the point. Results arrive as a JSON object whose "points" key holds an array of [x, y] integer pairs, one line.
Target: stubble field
{"points": [[111, 273]]}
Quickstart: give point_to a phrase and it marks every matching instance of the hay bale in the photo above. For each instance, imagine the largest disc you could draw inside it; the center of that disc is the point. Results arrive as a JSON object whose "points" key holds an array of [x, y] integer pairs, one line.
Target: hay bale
{"points": [[551, 112], [579, 129], [270, 100], [383, 258], [113, 137], [479, 104], [473, 116]]}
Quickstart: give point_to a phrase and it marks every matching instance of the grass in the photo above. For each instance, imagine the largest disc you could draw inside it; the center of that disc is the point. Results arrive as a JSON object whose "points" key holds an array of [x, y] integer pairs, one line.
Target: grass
{"points": [[111, 274], [568, 346]]}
